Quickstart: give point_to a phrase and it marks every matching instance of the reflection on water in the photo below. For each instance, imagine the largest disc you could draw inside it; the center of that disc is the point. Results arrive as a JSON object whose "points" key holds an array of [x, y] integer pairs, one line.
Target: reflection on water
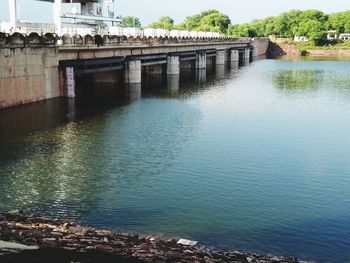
{"points": [[298, 79], [251, 158]]}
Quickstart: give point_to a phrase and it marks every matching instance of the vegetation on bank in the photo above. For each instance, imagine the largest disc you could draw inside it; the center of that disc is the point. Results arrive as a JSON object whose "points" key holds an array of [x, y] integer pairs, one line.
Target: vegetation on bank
{"points": [[210, 20], [310, 23]]}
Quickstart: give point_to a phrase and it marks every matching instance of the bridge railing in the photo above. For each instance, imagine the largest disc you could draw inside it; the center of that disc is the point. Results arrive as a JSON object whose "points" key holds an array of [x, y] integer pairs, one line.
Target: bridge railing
{"points": [[17, 40]]}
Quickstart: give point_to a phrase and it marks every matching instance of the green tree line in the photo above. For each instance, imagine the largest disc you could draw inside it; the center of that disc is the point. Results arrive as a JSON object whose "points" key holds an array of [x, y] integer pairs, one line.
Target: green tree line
{"points": [[310, 23], [211, 20]]}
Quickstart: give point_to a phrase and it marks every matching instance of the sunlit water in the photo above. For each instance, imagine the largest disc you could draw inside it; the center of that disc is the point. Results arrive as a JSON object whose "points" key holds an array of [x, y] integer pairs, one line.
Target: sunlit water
{"points": [[255, 158]]}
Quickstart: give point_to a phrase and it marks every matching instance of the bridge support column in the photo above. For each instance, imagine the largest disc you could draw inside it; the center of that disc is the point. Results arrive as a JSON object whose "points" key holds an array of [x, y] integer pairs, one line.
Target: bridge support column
{"points": [[13, 14], [220, 57], [220, 71], [132, 92], [173, 65], [56, 11], [247, 54], [201, 60], [201, 76], [234, 55], [133, 72], [255, 52], [173, 84], [67, 82]]}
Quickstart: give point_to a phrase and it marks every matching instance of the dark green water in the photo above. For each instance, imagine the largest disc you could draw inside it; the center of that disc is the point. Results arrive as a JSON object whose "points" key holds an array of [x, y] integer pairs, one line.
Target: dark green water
{"points": [[255, 158]]}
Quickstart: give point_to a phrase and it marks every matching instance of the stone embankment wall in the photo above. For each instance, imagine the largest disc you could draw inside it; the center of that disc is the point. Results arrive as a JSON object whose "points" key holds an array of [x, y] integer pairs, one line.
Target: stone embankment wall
{"points": [[27, 74], [261, 45], [73, 237], [279, 48]]}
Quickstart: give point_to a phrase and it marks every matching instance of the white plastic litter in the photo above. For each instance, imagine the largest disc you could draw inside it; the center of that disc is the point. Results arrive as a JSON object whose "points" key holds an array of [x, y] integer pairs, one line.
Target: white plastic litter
{"points": [[187, 242]]}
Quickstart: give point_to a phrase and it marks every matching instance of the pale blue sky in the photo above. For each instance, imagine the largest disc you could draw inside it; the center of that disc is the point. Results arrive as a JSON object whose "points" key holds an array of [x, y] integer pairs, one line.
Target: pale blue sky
{"points": [[151, 10]]}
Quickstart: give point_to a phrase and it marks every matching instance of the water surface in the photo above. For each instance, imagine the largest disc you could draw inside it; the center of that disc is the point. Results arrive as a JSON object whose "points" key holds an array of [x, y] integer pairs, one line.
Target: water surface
{"points": [[255, 158]]}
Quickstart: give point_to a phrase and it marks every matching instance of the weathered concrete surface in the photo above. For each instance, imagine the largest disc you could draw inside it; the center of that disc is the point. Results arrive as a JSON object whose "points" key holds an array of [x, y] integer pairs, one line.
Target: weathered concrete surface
{"points": [[133, 72], [260, 46], [234, 56], [173, 65], [73, 237], [28, 75], [220, 57]]}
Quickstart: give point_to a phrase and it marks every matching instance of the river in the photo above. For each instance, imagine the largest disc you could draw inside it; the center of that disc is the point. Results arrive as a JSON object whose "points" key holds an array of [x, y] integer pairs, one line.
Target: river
{"points": [[253, 158]]}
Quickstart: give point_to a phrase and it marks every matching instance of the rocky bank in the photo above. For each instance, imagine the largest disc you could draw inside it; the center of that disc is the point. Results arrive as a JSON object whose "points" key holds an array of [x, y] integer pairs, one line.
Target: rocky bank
{"points": [[70, 237], [277, 49]]}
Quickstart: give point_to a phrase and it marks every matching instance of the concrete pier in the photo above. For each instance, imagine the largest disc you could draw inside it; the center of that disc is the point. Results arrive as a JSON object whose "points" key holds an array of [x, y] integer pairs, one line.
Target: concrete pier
{"points": [[173, 84], [220, 71], [132, 92], [70, 82], [173, 65], [201, 76], [201, 60], [220, 57], [247, 54], [133, 72], [234, 55]]}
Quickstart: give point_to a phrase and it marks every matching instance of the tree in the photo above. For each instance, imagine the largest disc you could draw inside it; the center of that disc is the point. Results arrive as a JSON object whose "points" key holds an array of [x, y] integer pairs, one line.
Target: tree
{"points": [[311, 23], [164, 22], [339, 21], [216, 22], [210, 20], [131, 21], [242, 30]]}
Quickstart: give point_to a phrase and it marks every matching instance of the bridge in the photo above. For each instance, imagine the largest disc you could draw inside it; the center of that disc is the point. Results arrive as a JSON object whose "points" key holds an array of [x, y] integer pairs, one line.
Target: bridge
{"points": [[37, 67]]}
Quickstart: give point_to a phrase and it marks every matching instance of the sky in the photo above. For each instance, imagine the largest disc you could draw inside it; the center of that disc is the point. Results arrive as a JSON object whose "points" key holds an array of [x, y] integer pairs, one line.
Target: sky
{"points": [[151, 10]]}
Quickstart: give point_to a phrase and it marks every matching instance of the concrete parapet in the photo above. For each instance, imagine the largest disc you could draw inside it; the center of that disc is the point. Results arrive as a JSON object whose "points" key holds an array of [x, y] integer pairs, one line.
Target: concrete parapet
{"points": [[67, 39], [16, 40], [78, 40], [34, 40], [89, 40], [49, 39], [3, 39], [98, 40]]}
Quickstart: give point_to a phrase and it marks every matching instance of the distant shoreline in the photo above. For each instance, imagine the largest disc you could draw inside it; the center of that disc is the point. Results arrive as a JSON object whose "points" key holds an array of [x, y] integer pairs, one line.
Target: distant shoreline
{"points": [[69, 241], [278, 48]]}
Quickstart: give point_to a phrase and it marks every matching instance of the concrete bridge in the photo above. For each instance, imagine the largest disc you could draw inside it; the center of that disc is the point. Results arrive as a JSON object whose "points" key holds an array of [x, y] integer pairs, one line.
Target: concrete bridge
{"points": [[38, 67]]}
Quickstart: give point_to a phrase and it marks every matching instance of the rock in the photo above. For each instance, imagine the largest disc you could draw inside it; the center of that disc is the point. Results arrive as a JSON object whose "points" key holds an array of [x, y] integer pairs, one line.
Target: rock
{"points": [[49, 239], [56, 234]]}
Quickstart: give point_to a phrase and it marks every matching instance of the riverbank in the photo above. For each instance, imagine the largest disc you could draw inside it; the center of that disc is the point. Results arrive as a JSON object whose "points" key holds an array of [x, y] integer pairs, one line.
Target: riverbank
{"points": [[66, 241], [285, 48]]}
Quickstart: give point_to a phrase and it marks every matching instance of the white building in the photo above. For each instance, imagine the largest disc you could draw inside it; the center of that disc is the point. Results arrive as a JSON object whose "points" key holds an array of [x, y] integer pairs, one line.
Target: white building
{"points": [[84, 16], [301, 39], [344, 36]]}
